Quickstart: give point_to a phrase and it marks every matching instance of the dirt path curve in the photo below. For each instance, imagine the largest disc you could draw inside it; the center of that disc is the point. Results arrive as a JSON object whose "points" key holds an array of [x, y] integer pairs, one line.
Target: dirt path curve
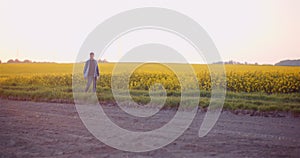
{"points": [[30, 129]]}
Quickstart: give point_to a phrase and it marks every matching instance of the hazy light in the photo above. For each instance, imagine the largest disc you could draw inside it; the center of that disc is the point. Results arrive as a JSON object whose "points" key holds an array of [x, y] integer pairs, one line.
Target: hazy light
{"points": [[252, 31]]}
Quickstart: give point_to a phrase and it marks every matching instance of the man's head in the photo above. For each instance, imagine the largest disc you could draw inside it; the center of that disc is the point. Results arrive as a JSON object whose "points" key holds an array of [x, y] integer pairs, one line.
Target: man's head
{"points": [[92, 55]]}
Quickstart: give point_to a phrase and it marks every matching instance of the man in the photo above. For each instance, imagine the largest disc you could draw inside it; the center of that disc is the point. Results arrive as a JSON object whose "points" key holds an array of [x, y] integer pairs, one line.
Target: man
{"points": [[91, 72]]}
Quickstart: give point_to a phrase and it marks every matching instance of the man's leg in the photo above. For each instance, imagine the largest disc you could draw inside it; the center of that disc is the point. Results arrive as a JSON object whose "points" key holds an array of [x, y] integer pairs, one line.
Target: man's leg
{"points": [[94, 83], [88, 84]]}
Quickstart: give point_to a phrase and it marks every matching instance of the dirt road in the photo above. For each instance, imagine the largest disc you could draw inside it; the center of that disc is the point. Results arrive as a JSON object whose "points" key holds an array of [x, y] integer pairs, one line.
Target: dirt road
{"points": [[30, 129]]}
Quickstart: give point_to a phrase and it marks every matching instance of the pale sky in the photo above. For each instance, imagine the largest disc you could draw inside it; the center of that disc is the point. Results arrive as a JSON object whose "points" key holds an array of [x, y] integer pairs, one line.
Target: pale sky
{"points": [[263, 31]]}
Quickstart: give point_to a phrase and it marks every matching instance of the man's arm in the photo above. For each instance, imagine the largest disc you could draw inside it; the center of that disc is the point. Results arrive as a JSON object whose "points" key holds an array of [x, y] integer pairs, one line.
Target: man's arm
{"points": [[85, 68], [97, 69]]}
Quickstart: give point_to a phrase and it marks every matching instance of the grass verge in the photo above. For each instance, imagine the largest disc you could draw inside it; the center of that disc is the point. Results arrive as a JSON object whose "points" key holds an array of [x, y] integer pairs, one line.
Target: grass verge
{"points": [[234, 101]]}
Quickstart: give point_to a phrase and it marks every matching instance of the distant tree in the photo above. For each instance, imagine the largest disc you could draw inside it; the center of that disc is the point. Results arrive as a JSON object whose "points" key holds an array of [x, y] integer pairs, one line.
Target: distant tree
{"points": [[10, 61], [0, 62], [27, 61], [17, 61], [102, 61]]}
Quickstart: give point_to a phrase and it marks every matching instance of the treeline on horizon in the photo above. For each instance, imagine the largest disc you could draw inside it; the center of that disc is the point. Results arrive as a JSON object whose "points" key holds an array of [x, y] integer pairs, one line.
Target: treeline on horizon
{"points": [[230, 62], [30, 61]]}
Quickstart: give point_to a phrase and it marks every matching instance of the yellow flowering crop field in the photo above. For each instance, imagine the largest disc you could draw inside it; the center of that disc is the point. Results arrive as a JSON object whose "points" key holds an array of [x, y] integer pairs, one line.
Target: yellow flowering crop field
{"points": [[239, 78]]}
